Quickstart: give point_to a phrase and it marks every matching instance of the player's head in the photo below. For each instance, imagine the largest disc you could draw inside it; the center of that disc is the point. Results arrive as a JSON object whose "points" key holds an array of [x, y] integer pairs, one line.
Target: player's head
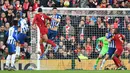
{"points": [[18, 16], [15, 22], [54, 10], [116, 31], [40, 10], [111, 26]]}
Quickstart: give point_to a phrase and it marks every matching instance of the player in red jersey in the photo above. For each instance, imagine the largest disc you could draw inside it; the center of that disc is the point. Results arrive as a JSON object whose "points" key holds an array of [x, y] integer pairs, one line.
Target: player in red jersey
{"points": [[40, 21], [119, 42]]}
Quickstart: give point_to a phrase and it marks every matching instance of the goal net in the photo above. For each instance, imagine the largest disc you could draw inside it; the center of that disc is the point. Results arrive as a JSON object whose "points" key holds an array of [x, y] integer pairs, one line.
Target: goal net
{"points": [[77, 34]]}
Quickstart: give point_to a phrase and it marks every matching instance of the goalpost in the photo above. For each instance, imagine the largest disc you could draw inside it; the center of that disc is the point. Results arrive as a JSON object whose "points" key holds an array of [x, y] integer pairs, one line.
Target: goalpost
{"points": [[97, 22]]}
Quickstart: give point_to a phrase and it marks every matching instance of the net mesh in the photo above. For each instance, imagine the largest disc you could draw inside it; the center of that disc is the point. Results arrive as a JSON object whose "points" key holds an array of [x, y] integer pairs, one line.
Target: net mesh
{"points": [[79, 29]]}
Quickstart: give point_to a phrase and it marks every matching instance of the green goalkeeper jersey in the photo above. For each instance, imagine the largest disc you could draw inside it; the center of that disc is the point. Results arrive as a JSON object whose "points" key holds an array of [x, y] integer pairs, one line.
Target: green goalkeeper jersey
{"points": [[105, 45]]}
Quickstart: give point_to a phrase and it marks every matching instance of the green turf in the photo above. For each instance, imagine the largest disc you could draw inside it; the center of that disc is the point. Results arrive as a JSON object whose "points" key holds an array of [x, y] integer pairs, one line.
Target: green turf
{"points": [[68, 71]]}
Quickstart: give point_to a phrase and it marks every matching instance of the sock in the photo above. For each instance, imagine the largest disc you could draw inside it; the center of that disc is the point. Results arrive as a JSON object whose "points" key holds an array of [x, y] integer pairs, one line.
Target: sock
{"points": [[18, 50], [51, 42], [97, 60], [117, 61], [42, 48], [103, 62], [13, 60], [8, 60]]}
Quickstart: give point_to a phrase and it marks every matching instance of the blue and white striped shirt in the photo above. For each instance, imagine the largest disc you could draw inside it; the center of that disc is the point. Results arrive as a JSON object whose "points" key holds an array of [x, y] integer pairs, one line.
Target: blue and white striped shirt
{"points": [[112, 43], [12, 35], [55, 23], [23, 25]]}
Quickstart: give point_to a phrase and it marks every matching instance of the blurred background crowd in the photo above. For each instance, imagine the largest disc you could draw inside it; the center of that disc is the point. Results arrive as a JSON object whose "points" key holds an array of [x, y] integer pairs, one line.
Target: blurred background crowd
{"points": [[77, 33]]}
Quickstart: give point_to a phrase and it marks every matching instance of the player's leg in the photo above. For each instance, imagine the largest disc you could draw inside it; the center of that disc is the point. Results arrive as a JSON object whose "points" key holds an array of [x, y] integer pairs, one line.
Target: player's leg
{"points": [[103, 61], [8, 59], [41, 46], [48, 41], [116, 58], [13, 56], [98, 59], [7, 62], [109, 54]]}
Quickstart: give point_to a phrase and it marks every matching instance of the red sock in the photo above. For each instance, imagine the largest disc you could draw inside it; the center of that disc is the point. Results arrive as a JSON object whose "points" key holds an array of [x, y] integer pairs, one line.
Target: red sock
{"points": [[42, 48], [117, 61], [51, 42]]}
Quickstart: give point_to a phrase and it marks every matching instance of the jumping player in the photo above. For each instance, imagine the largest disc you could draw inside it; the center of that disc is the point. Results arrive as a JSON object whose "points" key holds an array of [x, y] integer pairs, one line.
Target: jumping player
{"points": [[119, 42], [23, 29], [11, 43], [112, 47], [53, 30], [40, 21], [104, 49]]}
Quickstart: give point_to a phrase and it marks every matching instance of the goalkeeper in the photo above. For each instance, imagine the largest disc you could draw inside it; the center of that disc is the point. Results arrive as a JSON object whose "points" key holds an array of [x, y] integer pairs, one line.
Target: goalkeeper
{"points": [[104, 49]]}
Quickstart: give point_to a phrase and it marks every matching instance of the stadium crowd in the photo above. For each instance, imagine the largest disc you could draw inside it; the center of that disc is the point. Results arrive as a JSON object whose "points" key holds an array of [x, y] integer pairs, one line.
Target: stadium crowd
{"points": [[75, 32]]}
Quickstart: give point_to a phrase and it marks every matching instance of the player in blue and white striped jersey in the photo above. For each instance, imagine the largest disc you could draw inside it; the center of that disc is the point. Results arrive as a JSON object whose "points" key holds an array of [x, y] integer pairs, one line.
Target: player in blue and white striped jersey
{"points": [[23, 28], [112, 47], [53, 30], [11, 43]]}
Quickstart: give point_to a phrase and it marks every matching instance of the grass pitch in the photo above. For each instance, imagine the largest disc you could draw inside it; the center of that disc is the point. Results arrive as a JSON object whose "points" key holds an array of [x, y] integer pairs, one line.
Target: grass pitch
{"points": [[69, 71]]}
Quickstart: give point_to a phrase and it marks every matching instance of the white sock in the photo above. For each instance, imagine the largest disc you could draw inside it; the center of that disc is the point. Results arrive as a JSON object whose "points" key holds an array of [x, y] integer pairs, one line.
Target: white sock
{"points": [[103, 62], [8, 60], [13, 59], [18, 50]]}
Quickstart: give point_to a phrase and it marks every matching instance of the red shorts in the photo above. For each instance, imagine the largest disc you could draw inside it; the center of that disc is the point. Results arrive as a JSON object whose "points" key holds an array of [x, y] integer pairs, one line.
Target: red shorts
{"points": [[43, 31], [119, 52]]}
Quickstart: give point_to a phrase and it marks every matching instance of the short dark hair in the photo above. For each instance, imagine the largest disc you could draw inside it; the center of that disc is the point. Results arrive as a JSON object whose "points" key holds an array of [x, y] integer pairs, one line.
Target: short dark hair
{"points": [[18, 15], [40, 10], [15, 22], [54, 8], [116, 31]]}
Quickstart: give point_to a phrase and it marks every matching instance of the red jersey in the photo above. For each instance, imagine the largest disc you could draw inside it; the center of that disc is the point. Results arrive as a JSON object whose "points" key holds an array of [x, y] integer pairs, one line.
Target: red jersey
{"points": [[40, 20], [118, 41]]}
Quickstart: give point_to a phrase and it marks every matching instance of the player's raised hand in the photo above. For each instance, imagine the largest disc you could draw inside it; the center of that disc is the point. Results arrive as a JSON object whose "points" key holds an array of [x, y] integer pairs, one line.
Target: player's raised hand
{"points": [[50, 16]]}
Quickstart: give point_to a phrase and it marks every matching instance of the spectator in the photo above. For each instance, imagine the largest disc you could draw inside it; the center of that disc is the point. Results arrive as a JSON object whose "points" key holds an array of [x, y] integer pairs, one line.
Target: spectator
{"points": [[60, 4], [35, 5], [103, 4], [126, 32], [122, 5], [81, 33], [5, 6], [51, 3], [3, 18], [7, 26], [87, 20], [26, 5], [43, 3], [75, 3], [68, 29], [30, 15], [84, 3], [10, 16], [2, 33], [116, 23], [88, 47], [100, 23], [17, 5], [126, 21], [93, 20], [91, 4]]}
